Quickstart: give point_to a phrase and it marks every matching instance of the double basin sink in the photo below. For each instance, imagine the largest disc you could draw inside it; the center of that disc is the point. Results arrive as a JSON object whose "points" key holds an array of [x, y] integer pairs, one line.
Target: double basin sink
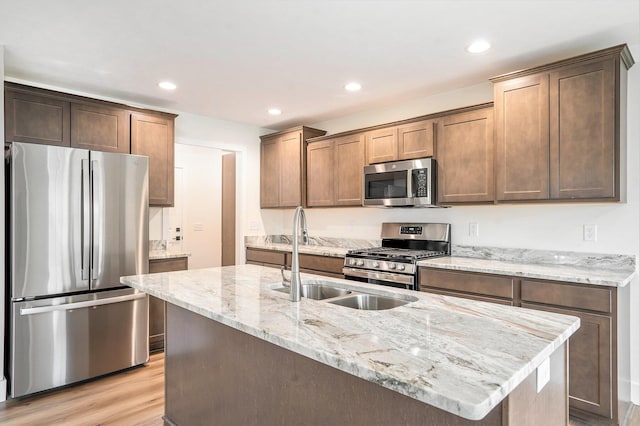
{"points": [[323, 290]]}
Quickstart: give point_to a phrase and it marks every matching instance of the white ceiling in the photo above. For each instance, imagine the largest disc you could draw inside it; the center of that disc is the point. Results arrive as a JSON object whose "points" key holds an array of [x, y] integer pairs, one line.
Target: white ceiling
{"points": [[234, 59]]}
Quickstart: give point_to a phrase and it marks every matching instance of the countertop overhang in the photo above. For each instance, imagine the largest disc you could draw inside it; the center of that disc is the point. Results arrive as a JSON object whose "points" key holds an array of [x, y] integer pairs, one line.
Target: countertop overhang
{"points": [[458, 355]]}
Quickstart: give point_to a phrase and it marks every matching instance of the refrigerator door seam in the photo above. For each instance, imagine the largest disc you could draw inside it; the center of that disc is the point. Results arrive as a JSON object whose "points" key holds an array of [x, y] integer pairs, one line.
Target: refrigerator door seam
{"points": [[86, 220]]}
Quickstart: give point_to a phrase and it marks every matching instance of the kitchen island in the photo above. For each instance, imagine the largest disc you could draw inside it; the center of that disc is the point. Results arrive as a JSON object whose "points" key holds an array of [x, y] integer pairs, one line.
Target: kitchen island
{"points": [[239, 352]]}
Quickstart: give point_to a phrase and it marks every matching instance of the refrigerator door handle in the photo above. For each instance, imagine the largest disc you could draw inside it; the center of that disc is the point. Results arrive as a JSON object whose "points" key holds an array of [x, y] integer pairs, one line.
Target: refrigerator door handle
{"points": [[86, 219], [95, 250], [78, 305]]}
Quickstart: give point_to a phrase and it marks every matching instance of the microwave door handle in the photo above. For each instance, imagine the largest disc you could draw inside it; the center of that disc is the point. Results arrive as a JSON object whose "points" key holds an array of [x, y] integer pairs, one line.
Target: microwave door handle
{"points": [[410, 193]]}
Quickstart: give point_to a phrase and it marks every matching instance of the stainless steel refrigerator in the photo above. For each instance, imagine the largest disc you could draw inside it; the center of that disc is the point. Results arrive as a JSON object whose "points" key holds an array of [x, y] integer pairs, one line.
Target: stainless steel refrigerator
{"points": [[78, 222]]}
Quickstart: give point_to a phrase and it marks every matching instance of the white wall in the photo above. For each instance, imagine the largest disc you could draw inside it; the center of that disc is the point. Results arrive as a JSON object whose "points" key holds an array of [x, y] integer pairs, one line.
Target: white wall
{"points": [[3, 382], [548, 226]]}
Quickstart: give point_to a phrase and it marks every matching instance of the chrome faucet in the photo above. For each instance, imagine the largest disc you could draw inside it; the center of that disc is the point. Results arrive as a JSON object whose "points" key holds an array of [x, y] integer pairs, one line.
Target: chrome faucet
{"points": [[296, 285]]}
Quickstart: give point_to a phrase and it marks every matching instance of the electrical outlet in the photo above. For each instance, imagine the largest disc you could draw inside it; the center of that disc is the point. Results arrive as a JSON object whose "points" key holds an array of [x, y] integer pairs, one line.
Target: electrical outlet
{"points": [[590, 232], [474, 229]]}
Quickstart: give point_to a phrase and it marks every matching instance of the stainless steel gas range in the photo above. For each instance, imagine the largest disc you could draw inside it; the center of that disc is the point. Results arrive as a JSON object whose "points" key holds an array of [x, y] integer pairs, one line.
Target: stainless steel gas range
{"points": [[403, 245]]}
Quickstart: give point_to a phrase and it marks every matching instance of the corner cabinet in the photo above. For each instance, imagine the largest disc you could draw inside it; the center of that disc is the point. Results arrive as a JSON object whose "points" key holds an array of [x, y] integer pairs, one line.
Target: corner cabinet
{"points": [[334, 171], [593, 372], [464, 154], [35, 115], [153, 135], [558, 129], [283, 167]]}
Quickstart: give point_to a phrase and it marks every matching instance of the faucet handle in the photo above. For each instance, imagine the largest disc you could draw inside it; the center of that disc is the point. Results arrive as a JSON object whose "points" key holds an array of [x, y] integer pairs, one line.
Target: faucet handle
{"points": [[285, 282]]}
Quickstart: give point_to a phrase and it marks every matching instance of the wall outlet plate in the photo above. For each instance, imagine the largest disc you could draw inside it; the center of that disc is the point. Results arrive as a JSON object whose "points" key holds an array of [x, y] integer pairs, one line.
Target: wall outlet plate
{"points": [[543, 374], [474, 229], [590, 232]]}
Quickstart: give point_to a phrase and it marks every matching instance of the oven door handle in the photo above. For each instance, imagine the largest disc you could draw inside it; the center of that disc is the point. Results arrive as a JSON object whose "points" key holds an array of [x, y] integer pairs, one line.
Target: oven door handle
{"points": [[381, 276]]}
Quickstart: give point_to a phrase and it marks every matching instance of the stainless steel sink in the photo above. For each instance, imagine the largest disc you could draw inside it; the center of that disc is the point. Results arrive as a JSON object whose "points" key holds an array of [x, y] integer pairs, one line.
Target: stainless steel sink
{"points": [[371, 302], [318, 291]]}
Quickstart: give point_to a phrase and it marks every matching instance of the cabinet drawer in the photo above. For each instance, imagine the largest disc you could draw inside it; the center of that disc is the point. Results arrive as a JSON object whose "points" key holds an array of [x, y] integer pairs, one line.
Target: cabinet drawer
{"points": [[266, 256], [577, 296], [168, 265], [483, 284], [322, 263]]}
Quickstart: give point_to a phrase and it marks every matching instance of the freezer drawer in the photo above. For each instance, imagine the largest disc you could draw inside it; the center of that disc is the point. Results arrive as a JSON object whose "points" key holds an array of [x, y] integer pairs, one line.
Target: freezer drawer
{"points": [[63, 340]]}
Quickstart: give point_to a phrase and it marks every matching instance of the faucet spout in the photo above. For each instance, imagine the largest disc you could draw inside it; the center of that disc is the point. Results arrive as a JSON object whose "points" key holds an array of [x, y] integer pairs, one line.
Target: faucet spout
{"points": [[296, 285]]}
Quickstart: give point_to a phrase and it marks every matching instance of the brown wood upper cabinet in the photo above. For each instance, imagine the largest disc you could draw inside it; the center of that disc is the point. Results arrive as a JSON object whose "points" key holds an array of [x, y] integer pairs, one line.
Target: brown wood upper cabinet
{"points": [[42, 116], [35, 117], [99, 127], [465, 157], [558, 128], [152, 135], [404, 142], [334, 171], [283, 167]]}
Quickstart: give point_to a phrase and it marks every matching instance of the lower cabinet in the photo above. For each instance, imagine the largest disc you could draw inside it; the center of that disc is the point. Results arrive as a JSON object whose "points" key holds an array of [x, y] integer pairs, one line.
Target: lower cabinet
{"points": [[329, 266], [157, 306], [593, 372]]}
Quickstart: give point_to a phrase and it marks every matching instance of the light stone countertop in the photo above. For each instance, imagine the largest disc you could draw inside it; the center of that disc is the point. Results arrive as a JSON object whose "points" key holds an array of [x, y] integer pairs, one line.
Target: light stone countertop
{"points": [[306, 249], [458, 355], [166, 254], [594, 274]]}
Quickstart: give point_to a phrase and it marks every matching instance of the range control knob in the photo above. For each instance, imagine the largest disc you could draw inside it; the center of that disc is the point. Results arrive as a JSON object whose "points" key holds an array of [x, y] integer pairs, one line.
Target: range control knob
{"points": [[391, 266], [376, 264], [352, 261], [400, 267], [360, 262]]}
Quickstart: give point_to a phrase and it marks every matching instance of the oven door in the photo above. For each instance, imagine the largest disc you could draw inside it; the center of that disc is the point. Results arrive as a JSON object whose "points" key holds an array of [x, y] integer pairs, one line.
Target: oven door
{"points": [[382, 278]]}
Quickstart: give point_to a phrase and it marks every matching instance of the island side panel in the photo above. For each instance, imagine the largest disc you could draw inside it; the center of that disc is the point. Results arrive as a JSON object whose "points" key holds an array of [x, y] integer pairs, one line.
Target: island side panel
{"points": [[218, 375], [525, 405]]}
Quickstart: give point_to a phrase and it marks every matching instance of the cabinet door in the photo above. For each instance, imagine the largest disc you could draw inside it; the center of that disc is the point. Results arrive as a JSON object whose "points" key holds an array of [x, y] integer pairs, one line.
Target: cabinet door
{"points": [[348, 166], [522, 138], [153, 136], [270, 173], [416, 140], [36, 119], [465, 157], [156, 306], [100, 128], [320, 171], [291, 170], [590, 362], [582, 127], [382, 145]]}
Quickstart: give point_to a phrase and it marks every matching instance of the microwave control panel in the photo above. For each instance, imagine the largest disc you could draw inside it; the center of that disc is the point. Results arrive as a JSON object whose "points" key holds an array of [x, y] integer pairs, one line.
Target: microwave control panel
{"points": [[420, 179]]}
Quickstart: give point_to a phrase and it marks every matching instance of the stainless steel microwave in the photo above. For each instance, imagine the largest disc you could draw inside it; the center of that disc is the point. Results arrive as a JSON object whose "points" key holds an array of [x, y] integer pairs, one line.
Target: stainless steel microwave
{"points": [[409, 183]]}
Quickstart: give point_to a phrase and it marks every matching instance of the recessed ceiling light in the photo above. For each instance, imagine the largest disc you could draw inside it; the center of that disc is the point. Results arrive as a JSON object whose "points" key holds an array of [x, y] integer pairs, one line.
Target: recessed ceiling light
{"points": [[478, 46], [274, 111], [352, 87], [167, 85]]}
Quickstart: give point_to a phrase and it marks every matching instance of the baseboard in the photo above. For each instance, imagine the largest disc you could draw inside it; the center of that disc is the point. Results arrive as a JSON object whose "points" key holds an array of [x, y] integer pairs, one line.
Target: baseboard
{"points": [[3, 389], [635, 392]]}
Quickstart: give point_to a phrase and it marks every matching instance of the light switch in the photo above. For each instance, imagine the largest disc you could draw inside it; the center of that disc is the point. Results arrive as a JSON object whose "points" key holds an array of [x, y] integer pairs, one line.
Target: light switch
{"points": [[198, 227]]}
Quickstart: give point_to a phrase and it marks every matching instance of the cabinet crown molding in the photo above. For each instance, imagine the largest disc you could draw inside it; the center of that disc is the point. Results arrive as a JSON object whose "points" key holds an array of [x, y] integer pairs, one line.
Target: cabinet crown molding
{"points": [[622, 50]]}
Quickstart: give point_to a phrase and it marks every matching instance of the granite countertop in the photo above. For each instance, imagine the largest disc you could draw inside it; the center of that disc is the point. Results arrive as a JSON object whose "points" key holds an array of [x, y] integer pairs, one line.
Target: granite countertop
{"points": [[166, 254], [584, 268], [458, 355]]}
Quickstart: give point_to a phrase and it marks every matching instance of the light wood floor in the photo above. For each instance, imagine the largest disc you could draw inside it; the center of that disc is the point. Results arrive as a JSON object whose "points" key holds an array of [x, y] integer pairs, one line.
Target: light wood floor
{"points": [[135, 397]]}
